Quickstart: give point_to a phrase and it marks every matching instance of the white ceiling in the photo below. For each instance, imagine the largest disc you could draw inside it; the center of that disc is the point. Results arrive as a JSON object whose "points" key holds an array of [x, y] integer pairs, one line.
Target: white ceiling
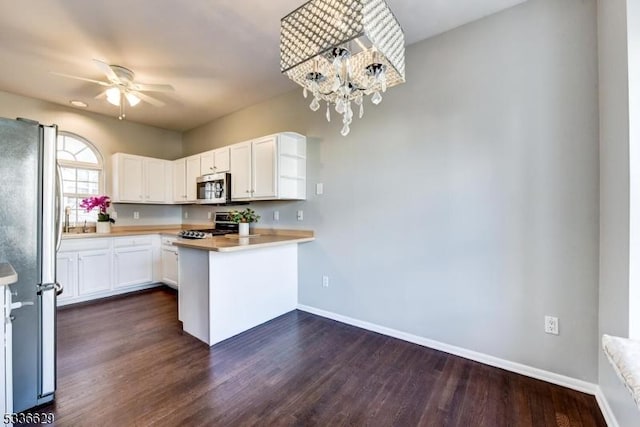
{"points": [[220, 55]]}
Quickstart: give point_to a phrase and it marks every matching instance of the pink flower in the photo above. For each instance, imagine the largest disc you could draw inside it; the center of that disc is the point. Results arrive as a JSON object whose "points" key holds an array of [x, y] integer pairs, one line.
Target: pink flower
{"points": [[100, 202]]}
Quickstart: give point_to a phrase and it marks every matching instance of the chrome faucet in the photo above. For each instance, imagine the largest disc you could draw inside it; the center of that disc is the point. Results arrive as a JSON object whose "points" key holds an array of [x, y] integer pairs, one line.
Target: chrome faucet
{"points": [[85, 229]]}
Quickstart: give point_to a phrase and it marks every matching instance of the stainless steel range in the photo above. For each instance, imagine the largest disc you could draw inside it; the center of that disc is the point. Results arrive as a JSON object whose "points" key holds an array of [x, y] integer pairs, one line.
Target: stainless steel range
{"points": [[222, 225]]}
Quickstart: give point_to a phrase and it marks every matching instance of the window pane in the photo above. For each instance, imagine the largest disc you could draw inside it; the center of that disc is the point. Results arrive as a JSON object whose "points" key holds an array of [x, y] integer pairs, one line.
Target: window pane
{"points": [[73, 145], [83, 187], [69, 187], [83, 175], [89, 217], [87, 156], [70, 202], [94, 176], [92, 188], [68, 174]]}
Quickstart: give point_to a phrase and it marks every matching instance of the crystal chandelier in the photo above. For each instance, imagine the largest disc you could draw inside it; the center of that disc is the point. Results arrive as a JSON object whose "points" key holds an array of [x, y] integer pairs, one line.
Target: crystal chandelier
{"points": [[340, 51]]}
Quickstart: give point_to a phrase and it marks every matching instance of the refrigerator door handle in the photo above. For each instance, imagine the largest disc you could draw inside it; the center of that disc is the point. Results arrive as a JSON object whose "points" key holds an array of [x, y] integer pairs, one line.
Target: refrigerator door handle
{"points": [[60, 210]]}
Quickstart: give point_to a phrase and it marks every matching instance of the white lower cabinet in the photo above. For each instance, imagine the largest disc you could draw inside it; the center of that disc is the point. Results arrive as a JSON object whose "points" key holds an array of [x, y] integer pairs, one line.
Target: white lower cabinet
{"points": [[67, 275], [133, 262], [94, 272], [170, 265], [92, 268]]}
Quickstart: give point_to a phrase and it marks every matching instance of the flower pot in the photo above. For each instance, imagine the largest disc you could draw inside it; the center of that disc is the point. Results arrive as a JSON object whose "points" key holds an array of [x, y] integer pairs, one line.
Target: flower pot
{"points": [[243, 229], [103, 227]]}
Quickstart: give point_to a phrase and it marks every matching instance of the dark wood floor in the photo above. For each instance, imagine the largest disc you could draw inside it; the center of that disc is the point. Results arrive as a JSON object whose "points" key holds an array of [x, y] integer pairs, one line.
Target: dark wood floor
{"points": [[126, 362]]}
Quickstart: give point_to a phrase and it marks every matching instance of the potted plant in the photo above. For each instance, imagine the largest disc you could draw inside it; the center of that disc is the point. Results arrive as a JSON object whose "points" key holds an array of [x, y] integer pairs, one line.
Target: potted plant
{"points": [[102, 203], [243, 219]]}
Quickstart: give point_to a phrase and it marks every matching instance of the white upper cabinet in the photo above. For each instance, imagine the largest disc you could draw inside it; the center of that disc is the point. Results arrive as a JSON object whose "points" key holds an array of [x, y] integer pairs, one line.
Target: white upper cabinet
{"points": [[221, 160], [273, 167], [193, 172], [215, 161], [264, 161], [180, 181], [185, 173], [241, 170], [155, 180], [269, 168], [138, 179]]}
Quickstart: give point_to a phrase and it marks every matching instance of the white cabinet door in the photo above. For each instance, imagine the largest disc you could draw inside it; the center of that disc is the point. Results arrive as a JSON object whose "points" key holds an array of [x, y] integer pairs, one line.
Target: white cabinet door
{"points": [[264, 168], [179, 181], [193, 172], [133, 266], [130, 179], [170, 265], [241, 170], [207, 163], [154, 173], [168, 182], [67, 275], [221, 160], [94, 271]]}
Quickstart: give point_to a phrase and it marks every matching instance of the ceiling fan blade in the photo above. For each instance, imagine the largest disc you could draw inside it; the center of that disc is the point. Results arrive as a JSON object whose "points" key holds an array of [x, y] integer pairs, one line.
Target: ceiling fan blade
{"points": [[102, 94], [81, 78], [106, 69], [147, 98], [152, 87]]}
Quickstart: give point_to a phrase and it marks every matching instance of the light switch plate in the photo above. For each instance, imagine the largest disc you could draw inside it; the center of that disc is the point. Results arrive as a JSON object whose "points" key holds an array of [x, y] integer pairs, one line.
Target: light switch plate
{"points": [[319, 188]]}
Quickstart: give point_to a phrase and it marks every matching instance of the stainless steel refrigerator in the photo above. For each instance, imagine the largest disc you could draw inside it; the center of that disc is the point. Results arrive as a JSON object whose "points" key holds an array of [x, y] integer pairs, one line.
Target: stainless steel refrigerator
{"points": [[29, 236]]}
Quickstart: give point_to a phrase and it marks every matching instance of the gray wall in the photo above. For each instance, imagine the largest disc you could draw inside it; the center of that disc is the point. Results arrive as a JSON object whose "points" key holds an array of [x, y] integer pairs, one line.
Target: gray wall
{"points": [[614, 195], [109, 135], [465, 207]]}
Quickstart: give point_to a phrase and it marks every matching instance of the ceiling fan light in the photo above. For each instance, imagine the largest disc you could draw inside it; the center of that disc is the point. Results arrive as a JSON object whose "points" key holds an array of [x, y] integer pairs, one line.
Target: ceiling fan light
{"points": [[133, 100], [113, 96]]}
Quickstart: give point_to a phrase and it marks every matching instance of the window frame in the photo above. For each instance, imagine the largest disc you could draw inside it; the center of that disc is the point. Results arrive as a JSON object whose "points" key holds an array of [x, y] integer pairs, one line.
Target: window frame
{"points": [[74, 164]]}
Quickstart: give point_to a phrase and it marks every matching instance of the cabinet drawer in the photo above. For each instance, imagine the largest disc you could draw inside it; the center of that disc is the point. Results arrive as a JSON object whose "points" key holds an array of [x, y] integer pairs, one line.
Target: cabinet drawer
{"points": [[121, 242], [73, 245], [168, 241]]}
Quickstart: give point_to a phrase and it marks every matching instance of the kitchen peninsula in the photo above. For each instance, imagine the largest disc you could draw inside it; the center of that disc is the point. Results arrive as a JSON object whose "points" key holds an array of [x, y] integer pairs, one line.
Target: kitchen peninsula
{"points": [[230, 284]]}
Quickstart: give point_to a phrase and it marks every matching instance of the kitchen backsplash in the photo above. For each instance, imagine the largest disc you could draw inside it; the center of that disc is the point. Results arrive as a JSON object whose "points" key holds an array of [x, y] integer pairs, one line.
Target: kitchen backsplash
{"points": [[198, 214], [147, 214]]}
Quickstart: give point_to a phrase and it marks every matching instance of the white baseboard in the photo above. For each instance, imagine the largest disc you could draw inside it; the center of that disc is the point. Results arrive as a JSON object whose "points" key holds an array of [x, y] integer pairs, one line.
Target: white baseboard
{"points": [[606, 410], [551, 377]]}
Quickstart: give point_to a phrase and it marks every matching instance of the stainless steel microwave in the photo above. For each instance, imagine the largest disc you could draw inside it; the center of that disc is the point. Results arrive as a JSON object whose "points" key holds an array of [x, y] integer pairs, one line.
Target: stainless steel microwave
{"points": [[214, 188]]}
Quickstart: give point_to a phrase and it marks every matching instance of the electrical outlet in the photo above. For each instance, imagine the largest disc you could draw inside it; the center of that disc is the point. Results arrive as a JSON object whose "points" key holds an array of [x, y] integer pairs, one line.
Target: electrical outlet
{"points": [[114, 214], [300, 215], [136, 215], [325, 281], [276, 215], [209, 214], [186, 215], [551, 325], [319, 188]]}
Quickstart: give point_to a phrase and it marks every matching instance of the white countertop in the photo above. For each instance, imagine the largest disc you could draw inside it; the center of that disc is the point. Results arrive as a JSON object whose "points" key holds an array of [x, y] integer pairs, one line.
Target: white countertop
{"points": [[8, 275]]}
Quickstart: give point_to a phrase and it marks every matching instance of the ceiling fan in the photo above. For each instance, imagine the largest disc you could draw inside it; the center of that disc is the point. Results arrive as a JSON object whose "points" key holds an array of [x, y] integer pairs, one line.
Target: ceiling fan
{"points": [[121, 86]]}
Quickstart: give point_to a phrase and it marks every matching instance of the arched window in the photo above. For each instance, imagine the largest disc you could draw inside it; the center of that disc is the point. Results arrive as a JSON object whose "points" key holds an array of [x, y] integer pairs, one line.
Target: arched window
{"points": [[81, 165]]}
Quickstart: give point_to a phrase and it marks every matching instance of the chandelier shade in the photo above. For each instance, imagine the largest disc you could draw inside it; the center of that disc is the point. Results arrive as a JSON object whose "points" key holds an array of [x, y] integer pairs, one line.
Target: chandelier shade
{"points": [[341, 51]]}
